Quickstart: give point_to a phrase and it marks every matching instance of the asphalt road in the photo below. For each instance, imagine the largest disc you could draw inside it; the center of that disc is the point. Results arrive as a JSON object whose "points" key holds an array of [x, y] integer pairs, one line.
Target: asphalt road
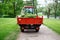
{"points": [[43, 34]]}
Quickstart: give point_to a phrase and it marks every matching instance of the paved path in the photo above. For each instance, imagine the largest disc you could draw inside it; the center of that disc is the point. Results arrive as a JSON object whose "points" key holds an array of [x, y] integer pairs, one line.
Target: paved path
{"points": [[44, 34]]}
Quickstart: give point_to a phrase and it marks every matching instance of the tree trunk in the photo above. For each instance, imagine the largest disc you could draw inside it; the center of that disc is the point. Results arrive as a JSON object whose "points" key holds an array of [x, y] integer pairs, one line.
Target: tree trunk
{"points": [[33, 6], [14, 9], [48, 12], [56, 1]]}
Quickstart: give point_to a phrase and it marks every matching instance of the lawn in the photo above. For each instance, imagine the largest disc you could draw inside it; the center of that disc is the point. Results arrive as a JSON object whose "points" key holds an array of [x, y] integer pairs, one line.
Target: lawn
{"points": [[8, 29], [54, 24]]}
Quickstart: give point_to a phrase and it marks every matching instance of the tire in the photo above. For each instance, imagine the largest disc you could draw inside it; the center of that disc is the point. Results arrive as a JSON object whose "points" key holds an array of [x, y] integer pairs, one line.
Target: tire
{"points": [[37, 30], [22, 30]]}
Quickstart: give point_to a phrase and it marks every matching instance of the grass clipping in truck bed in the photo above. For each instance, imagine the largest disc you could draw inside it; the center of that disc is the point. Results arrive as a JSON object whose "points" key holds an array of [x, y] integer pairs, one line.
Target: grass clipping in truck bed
{"points": [[28, 16]]}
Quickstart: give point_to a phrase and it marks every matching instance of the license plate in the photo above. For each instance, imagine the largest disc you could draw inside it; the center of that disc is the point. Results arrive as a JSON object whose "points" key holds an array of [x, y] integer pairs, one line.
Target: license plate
{"points": [[29, 29]]}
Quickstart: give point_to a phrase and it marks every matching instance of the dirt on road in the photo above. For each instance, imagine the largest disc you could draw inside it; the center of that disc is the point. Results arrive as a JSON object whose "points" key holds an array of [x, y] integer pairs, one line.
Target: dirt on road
{"points": [[43, 34]]}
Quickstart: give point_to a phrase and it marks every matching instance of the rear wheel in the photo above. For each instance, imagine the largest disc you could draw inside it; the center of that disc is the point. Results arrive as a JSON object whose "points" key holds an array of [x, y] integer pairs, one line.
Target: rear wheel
{"points": [[37, 29], [22, 29]]}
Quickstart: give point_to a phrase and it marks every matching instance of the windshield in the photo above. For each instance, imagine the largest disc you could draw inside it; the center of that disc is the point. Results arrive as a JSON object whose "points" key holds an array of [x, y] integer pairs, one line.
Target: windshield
{"points": [[29, 10]]}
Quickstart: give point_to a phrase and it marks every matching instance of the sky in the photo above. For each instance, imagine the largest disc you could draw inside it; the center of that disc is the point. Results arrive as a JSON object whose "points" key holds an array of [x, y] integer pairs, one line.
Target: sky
{"points": [[43, 2]]}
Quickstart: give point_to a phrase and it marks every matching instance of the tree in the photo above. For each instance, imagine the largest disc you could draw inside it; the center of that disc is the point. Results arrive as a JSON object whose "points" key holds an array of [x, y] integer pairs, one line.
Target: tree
{"points": [[19, 6], [10, 7], [55, 6], [48, 9]]}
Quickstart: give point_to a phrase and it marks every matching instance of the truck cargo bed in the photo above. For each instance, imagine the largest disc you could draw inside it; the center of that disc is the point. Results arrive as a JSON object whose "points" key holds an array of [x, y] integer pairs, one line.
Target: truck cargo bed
{"points": [[29, 20]]}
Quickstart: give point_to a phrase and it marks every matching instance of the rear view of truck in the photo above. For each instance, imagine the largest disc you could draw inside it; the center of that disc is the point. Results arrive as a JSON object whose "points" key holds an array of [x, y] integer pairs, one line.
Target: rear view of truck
{"points": [[29, 20], [30, 23]]}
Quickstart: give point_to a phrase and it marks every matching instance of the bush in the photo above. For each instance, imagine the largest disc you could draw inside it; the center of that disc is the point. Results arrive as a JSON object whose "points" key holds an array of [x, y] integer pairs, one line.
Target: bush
{"points": [[28, 16]]}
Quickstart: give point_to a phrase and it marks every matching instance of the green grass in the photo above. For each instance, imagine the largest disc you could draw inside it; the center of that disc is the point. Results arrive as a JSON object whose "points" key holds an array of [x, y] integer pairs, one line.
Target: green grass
{"points": [[8, 29], [54, 24]]}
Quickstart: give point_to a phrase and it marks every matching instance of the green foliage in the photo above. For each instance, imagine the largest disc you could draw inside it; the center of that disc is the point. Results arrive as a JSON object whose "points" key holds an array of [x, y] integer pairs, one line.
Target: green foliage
{"points": [[53, 8], [1, 10], [11, 7], [29, 15], [19, 6], [58, 10], [40, 9]]}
